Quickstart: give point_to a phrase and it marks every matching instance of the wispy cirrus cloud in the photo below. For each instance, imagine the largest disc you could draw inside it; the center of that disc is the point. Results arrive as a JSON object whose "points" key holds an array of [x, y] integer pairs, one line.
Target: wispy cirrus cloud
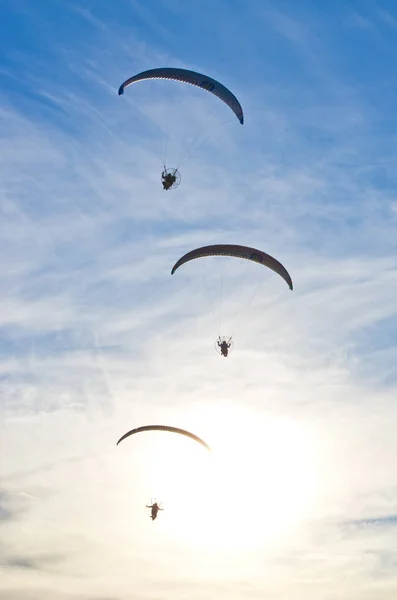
{"points": [[96, 336]]}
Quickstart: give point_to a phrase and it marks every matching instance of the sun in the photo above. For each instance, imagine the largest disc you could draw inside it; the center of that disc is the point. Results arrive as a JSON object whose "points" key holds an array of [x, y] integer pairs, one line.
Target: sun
{"points": [[258, 482]]}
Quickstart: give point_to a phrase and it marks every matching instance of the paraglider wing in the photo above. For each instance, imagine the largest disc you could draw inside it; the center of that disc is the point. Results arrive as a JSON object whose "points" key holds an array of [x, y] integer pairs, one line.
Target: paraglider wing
{"points": [[164, 428], [186, 76], [239, 252]]}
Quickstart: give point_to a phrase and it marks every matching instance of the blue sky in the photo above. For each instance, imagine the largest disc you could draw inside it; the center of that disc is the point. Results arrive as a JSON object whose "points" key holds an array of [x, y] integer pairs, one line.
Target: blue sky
{"points": [[298, 500]]}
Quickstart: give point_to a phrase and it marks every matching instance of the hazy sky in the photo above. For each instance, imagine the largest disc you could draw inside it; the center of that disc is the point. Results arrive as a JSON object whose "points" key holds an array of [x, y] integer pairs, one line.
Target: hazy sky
{"points": [[298, 499]]}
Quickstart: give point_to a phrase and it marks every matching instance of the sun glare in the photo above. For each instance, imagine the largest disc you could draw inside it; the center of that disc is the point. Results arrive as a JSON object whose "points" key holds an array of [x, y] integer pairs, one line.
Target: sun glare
{"points": [[255, 485]]}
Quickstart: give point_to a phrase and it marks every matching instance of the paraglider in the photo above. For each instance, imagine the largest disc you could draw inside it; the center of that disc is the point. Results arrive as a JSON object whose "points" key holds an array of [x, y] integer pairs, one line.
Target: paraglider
{"points": [[224, 345], [155, 508], [170, 177], [239, 252], [164, 428]]}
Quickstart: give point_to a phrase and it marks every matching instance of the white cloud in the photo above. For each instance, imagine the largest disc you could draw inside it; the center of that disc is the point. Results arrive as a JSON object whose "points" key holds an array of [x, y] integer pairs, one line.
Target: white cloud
{"points": [[98, 337]]}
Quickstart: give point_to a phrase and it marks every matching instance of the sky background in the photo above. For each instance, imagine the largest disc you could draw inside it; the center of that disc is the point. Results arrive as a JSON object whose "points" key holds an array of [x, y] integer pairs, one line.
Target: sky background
{"points": [[298, 499]]}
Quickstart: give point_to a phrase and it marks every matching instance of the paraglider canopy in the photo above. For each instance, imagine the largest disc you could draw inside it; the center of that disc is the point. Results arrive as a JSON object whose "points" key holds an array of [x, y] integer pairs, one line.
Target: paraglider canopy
{"points": [[164, 428], [237, 251], [193, 78]]}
